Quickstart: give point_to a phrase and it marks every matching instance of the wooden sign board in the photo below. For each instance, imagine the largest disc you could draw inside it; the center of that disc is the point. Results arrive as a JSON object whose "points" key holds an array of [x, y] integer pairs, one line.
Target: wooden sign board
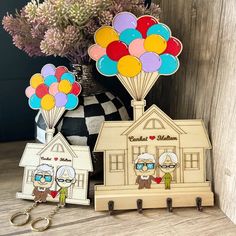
{"points": [[153, 159], [56, 171]]}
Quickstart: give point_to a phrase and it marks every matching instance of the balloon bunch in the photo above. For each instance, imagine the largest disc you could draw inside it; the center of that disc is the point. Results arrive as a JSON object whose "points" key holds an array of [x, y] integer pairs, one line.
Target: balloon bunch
{"points": [[53, 91], [135, 47]]}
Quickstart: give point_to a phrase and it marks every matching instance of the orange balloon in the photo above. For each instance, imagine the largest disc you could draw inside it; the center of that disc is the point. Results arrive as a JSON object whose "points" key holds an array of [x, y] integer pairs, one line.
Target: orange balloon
{"points": [[105, 35], [155, 43]]}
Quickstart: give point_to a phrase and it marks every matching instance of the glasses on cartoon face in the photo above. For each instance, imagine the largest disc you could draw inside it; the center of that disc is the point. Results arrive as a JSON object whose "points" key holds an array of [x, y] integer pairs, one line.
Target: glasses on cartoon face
{"points": [[65, 180], [168, 166], [150, 166], [48, 178]]}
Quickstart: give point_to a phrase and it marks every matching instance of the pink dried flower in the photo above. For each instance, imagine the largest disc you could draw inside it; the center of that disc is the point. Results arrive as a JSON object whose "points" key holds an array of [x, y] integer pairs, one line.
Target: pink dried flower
{"points": [[65, 28]]}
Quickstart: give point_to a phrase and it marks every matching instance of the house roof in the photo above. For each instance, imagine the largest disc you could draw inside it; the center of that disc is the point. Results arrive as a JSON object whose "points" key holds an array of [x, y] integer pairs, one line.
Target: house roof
{"points": [[61, 138], [192, 133], [81, 154], [111, 130], [195, 133], [160, 113], [30, 154]]}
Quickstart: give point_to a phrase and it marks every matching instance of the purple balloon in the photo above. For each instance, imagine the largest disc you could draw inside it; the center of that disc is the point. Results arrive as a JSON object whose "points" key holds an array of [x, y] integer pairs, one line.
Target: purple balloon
{"points": [[61, 99], [48, 69], [124, 20], [150, 61]]}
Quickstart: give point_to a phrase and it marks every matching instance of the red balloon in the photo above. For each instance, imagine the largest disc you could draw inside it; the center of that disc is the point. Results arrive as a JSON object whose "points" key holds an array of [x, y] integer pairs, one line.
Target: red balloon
{"points": [[144, 23], [117, 49], [76, 88], [174, 46], [60, 70], [41, 90]]}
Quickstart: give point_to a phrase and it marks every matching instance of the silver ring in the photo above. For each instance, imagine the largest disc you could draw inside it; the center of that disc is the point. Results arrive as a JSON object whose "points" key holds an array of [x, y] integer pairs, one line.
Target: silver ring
{"points": [[40, 229], [17, 214]]}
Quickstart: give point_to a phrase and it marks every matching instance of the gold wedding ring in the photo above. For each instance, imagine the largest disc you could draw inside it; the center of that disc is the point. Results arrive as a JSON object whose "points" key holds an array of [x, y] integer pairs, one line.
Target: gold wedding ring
{"points": [[17, 214], [42, 228]]}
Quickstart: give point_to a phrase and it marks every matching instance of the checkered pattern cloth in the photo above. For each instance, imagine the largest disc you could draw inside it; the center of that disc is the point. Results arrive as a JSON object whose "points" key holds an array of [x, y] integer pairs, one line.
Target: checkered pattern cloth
{"points": [[81, 126]]}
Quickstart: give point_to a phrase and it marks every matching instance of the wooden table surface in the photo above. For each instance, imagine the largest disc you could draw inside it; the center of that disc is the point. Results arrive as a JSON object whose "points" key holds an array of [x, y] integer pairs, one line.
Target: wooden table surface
{"points": [[83, 220]]}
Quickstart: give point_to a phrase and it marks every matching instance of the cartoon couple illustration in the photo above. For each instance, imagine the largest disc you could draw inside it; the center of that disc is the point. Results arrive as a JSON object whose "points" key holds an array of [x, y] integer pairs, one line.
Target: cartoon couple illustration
{"points": [[145, 167], [43, 179]]}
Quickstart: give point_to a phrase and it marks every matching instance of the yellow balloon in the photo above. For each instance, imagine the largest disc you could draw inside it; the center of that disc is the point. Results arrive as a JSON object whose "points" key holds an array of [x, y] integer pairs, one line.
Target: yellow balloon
{"points": [[155, 43], [36, 80], [47, 102], [64, 86], [105, 35], [129, 66]]}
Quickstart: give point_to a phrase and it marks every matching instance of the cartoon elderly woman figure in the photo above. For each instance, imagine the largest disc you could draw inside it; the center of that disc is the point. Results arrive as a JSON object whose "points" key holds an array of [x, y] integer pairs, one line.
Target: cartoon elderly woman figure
{"points": [[65, 177], [168, 162], [145, 167]]}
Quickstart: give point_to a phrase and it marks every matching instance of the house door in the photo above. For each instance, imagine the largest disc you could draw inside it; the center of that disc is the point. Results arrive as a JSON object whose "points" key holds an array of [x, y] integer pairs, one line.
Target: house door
{"points": [[159, 151]]}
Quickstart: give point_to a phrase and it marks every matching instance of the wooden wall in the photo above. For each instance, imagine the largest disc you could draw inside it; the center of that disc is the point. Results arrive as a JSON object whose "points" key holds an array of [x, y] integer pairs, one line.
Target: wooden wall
{"points": [[205, 85]]}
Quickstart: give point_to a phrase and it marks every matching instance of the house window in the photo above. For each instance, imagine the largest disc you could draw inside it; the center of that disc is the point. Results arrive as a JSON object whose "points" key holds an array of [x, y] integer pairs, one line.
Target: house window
{"points": [[191, 161], [57, 148], [153, 124], [80, 180], [116, 162], [137, 150], [29, 177]]}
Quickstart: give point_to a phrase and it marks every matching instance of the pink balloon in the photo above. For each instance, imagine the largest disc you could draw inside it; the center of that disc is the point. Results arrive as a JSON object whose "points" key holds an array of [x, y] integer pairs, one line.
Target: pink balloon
{"points": [[136, 48], [96, 52], [53, 89], [29, 91]]}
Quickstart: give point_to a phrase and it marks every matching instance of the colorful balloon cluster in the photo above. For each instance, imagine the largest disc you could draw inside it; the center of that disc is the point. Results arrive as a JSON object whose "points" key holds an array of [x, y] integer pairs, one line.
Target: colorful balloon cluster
{"points": [[132, 45], [53, 87]]}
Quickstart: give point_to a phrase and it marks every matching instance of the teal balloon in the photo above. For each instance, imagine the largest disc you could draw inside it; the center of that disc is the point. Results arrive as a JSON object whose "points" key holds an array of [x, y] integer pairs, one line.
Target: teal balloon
{"points": [[106, 66], [35, 102], [128, 35], [72, 102], [50, 79], [68, 76], [169, 64], [161, 30]]}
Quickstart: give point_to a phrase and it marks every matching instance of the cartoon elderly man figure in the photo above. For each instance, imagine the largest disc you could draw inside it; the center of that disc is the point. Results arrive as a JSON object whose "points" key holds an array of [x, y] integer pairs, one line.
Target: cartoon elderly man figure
{"points": [[42, 181], [145, 167], [65, 177], [168, 162]]}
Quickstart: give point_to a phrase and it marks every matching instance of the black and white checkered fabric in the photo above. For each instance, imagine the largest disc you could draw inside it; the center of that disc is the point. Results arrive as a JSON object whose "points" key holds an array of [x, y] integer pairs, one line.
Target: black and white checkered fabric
{"points": [[81, 126]]}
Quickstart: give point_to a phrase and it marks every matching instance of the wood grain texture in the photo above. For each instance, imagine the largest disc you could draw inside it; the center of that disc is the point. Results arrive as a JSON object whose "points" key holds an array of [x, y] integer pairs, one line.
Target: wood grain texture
{"points": [[205, 85], [83, 220]]}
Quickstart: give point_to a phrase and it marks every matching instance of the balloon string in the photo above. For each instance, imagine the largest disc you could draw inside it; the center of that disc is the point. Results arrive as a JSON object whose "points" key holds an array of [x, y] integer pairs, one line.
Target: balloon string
{"points": [[125, 83], [129, 82], [144, 78], [147, 84], [135, 79]]}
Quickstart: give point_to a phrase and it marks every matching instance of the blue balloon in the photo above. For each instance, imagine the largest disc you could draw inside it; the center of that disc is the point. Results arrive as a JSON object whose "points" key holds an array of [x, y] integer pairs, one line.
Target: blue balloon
{"points": [[128, 35], [72, 102], [68, 76], [35, 102], [50, 79], [159, 29], [106, 66], [169, 64]]}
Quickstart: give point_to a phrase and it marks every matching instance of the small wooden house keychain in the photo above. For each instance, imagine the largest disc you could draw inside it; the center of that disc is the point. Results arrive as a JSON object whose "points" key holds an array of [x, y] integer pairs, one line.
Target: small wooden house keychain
{"points": [[151, 161], [55, 171]]}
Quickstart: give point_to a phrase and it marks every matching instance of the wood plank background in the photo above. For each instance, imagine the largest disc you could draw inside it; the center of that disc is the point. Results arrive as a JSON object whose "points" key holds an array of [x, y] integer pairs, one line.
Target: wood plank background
{"points": [[205, 85]]}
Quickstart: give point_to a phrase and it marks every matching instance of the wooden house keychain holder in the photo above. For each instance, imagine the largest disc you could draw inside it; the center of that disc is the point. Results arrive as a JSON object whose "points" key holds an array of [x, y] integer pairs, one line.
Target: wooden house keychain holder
{"points": [[151, 161], [55, 171]]}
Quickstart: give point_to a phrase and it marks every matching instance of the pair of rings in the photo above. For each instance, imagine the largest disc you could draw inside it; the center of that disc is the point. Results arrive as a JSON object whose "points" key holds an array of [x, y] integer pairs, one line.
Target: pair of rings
{"points": [[33, 222]]}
